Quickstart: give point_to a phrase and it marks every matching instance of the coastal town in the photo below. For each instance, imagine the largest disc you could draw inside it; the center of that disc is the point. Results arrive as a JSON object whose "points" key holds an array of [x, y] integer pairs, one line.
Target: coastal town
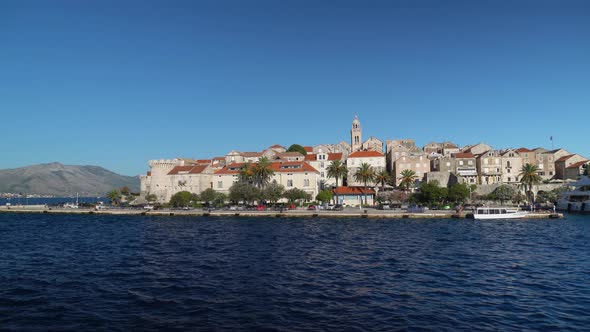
{"points": [[356, 172]]}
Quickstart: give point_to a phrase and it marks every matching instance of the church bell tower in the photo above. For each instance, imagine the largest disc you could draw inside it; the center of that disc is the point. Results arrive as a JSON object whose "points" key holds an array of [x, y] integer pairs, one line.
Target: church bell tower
{"points": [[356, 135]]}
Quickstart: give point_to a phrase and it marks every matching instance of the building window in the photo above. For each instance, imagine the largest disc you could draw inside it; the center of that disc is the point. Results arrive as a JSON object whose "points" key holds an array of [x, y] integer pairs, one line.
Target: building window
{"points": [[508, 171], [219, 184], [322, 165], [461, 162], [470, 162], [550, 173], [306, 182], [322, 174], [509, 179], [289, 183]]}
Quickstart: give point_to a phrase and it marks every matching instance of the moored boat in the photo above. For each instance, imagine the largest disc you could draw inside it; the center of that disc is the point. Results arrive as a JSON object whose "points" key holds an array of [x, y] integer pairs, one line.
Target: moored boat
{"points": [[577, 200], [486, 212]]}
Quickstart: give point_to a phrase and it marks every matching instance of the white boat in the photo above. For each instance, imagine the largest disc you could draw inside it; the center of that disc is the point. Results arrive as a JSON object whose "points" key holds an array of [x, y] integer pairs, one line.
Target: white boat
{"points": [[496, 212], [72, 205], [577, 200]]}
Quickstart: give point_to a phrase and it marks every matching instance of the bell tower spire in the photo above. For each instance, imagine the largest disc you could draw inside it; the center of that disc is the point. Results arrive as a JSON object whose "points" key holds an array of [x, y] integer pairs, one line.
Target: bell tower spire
{"points": [[356, 135]]}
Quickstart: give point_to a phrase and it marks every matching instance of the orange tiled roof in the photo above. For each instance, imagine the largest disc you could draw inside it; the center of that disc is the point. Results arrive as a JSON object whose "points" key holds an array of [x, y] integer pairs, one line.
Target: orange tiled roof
{"points": [[308, 149], [204, 161], [564, 158], [523, 150], [334, 156], [290, 154], [578, 164], [277, 146], [463, 155], [179, 169], [277, 167], [353, 191], [365, 154], [198, 169], [251, 154], [311, 157]]}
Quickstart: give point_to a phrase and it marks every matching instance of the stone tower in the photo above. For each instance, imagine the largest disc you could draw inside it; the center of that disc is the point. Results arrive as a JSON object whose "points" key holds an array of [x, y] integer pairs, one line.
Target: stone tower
{"points": [[356, 135]]}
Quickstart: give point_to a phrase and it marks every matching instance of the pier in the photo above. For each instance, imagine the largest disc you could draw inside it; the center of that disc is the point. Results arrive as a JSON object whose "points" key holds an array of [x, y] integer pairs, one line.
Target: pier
{"points": [[350, 213]]}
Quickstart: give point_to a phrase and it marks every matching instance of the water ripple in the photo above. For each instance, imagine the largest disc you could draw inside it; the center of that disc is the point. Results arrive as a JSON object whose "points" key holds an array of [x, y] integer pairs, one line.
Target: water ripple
{"points": [[117, 273]]}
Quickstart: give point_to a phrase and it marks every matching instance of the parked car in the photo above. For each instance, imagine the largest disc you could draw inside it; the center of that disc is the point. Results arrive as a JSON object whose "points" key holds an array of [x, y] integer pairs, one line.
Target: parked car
{"points": [[260, 208], [338, 207], [312, 207], [383, 207], [330, 207]]}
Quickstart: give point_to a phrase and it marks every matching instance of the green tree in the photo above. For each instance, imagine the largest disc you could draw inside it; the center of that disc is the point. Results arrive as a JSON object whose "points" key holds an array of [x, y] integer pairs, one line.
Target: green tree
{"points": [[151, 198], [208, 196], [432, 193], [297, 148], [382, 177], [529, 177], [246, 173], [366, 175], [407, 178], [518, 198], [459, 193], [125, 191], [295, 194], [180, 199], [262, 172], [273, 192], [115, 196], [336, 170], [503, 193], [219, 199], [324, 196], [243, 191]]}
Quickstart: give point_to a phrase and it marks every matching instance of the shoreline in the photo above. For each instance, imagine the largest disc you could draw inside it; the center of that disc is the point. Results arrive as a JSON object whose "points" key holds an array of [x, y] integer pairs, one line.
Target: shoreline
{"points": [[368, 213]]}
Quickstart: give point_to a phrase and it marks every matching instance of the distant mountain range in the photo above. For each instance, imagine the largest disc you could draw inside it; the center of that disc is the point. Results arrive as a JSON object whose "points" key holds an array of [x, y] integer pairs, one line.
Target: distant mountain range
{"points": [[58, 179]]}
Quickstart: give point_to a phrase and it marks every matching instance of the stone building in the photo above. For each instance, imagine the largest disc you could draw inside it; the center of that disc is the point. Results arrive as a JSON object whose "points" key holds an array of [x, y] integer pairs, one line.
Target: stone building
{"points": [[562, 164], [356, 139], [419, 163], [546, 161], [375, 159], [512, 163], [489, 167], [400, 148], [320, 161], [298, 174]]}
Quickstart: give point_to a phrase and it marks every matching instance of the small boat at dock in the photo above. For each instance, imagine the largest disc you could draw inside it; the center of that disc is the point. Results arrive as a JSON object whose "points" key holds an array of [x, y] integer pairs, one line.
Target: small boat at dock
{"points": [[487, 213]]}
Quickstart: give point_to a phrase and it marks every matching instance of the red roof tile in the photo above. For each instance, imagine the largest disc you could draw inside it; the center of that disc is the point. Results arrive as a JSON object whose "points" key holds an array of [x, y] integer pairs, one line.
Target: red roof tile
{"points": [[277, 146], [198, 169], [204, 161], [251, 154], [523, 150], [334, 156], [463, 155], [365, 154], [308, 149], [311, 157], [578, 164], [564, 158], [179, 169], [277, 167], [353, 191]]}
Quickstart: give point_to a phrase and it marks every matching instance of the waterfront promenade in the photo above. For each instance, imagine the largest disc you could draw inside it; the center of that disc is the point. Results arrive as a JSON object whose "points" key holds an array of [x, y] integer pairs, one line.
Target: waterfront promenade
{"points": [[347, 213]]}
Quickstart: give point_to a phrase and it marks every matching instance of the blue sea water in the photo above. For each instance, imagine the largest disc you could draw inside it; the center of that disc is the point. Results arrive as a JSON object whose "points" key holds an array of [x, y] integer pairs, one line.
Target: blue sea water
{"points": [[50, 200], [121, 273]]}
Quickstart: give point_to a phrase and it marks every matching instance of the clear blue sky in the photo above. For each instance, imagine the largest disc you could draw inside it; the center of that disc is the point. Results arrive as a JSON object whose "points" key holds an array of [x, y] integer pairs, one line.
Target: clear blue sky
{"points": [[116, 83]]}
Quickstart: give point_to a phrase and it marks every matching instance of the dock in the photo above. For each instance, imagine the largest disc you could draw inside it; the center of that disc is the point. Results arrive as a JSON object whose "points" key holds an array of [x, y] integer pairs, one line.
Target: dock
{"points": [[349, 213]]}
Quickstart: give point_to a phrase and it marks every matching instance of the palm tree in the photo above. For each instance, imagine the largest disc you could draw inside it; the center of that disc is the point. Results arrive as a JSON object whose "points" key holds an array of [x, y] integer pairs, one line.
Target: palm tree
{"points": [[262, 172], [407, 178], [246, 173], [336, 170], [528, 178], [365, 174], [382, 177]]}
